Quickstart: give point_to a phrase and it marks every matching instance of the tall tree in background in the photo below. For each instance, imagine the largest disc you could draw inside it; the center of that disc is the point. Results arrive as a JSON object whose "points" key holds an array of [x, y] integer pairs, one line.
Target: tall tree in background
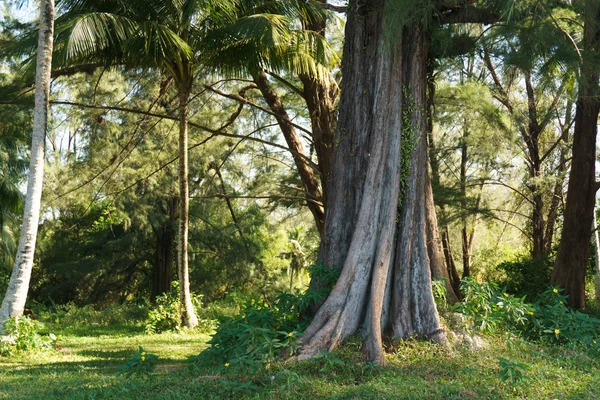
{"points": [[573, 251], [16, 294]]}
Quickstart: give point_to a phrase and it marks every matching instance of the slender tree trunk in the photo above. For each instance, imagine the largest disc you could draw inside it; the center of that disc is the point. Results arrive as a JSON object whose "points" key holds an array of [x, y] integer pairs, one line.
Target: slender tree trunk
{"points": [[385, 281], [573, 251], [466, 255], [437, 251], [320, 96], [162, 271], [597, 276], [434, 246], [188, 315], [18, 286], [314, 198]]}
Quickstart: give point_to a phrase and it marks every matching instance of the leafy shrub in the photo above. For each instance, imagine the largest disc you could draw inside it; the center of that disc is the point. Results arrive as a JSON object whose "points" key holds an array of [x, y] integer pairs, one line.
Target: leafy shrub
{"points": [[491, 308], [526, 277], [554, 322], [250, 343], [165, 316], [439, 294], [24, 336], [141, 364]]}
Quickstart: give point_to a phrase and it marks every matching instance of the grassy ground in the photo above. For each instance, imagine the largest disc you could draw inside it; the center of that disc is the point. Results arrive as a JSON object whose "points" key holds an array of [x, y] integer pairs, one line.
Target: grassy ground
{"points": [[87, 364]]}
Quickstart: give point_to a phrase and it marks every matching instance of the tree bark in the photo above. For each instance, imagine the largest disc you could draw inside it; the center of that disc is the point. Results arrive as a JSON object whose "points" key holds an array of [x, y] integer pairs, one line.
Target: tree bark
{"points": [[188, 315], [385, 281], [162, 271], [314, 197], [18, 286], [597, 248], [320, 96], [573, 251]]}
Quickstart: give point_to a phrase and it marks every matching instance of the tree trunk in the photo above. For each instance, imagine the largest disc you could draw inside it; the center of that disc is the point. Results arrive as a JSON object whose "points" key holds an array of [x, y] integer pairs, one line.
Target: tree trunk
{"points": [[188, 315], [314, 198], [320, 98], [440, 255], [573, 251], [466, 254], [18, 286], [434, 245], [361, 233], [597, 275], [162, 271]]}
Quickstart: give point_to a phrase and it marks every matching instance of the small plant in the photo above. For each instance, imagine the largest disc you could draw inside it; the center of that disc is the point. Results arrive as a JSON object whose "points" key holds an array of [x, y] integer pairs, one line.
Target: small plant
{"points": [[490, 308], [439, 294], [141, 364], [286, 381], [329, 361], [512, 371], [24, 336]]}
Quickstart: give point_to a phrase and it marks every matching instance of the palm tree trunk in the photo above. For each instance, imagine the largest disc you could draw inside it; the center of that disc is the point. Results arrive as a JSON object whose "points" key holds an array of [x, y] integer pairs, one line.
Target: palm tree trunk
{"points": [[18, 286], [597, 246], [188, 316]]}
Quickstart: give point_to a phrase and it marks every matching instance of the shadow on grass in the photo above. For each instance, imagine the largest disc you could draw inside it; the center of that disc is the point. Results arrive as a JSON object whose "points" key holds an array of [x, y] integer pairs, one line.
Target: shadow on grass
{"points": [[97, 330]]}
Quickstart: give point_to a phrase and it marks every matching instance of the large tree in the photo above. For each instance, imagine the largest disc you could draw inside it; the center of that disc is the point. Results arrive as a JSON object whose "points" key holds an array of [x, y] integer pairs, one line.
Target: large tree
{"points": [[573, 251], [375, 227], [16, 294]]}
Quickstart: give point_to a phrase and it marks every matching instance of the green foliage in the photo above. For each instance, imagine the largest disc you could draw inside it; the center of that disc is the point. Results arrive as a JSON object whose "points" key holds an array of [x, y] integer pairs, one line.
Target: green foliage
{"points": [[490, 308], [141, 364], [249, 344], [439, 294], [526, 277], [512, 371], [328, 360], [72, 315], [24, 334], [552, 321], [165, 315]]}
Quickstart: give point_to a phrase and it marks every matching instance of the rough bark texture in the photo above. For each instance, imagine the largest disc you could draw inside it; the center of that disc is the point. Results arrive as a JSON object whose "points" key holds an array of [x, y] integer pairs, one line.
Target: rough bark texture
{"points": [[385, 280], [573, 251], [18, 286], [440, 254], [434, 246], [188, 315], [312, 190], [162, 271], [597, 248]]}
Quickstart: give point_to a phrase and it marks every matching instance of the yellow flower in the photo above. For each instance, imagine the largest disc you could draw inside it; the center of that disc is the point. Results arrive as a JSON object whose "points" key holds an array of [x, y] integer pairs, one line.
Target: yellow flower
{"points": [[143, 358], [560, 302], [505, 294], [555, 290], [252, 302], [557, 331], [226, 365], [258, 308], [143, 353], [530, 312], [243, 317], [594, 342], [290, 334]]}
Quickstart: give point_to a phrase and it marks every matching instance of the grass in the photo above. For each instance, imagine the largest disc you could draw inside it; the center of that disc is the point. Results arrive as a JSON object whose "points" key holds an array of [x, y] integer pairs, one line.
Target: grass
{"points": [[89, 360]]}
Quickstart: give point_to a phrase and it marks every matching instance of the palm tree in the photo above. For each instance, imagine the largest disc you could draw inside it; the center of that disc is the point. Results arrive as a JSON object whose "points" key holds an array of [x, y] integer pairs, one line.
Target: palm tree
{"points": [[18, 286], [178, 36]]}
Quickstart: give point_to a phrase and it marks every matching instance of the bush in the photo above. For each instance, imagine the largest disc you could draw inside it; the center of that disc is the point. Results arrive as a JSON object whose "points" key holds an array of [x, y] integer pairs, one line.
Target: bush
{"points": [[24, 336], [115, 314], [165, 314], [552, 321], [491, 308], [526, 277]]}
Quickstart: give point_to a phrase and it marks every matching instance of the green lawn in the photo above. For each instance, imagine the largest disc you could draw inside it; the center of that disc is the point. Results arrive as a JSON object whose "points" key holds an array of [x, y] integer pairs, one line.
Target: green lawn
{"points": [[87, 364]]}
